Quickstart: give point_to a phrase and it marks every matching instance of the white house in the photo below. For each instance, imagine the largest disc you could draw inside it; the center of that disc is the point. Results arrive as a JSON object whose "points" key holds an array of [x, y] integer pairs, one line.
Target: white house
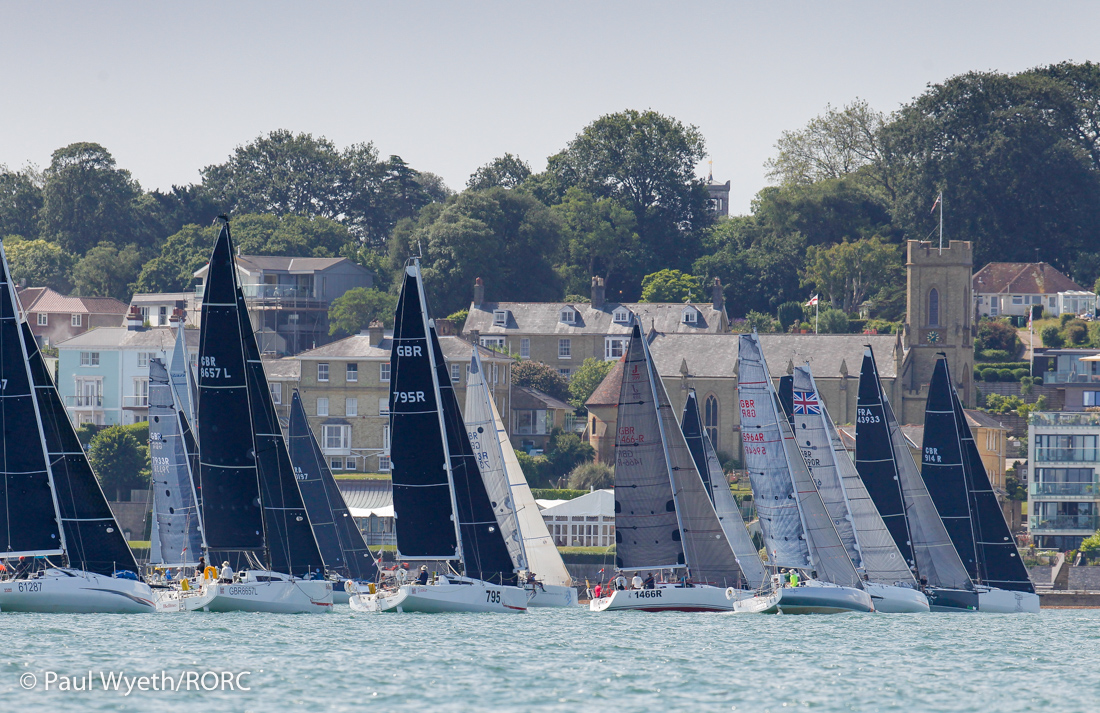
{"points": [[587, 521], [1012, 288]]}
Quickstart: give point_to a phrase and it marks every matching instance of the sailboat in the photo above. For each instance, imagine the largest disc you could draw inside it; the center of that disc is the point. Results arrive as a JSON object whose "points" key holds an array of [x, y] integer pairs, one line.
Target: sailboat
{"points": [[53, 504], [252, 510], [534, 555], [664, 518], [342, 546], [725, 506], [441, 509], [960, 488], [798, 532], [886, 576]]}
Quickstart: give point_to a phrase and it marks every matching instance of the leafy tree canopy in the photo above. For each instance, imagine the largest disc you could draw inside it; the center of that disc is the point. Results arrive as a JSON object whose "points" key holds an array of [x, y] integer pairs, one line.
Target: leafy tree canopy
{"points": [[118, 458], [107, 271], [39, 263], [20, 202], [599, 240], [583, 382], [849, 272], [508, 171], [671, 286], [539, 376], [354, 310]]}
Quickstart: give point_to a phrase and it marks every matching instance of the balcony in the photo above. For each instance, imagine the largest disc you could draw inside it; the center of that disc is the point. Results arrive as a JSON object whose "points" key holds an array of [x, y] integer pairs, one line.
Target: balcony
{"points": [[1066, 491], [135, 402], [1064, 524], [84, 401], [1057, 377], [1050, 418], [1066, 455]]}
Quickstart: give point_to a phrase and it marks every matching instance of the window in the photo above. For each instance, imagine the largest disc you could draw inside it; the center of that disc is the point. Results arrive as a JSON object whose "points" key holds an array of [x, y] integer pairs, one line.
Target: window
{"points": [[690, 315], [933, 307], [89, 392], [349, 464], [384, 464], [1090, 398], [621, 316], [336, 464], [710, 418], [141, 392], [496, 343], [322, 406], [564, 349], [496, 370], [1036, 299], [276, 390], [144, 314], [533, 421], [384, 372], [336, 438], [981, 300], [384, 407], [500, 317], [456, 374], [614, 347], [1065, 448], [525, 348], [564, 372], [162, 318], [568, 316], [351, 407], [322, 372], [43, 319], [1017, 299], [76, 320], [143, 359], [89, 358], [351, 372]]}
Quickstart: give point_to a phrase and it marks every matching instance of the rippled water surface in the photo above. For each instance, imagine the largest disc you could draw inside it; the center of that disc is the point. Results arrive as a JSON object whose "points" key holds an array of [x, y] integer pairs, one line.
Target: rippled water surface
{"points": [[569, 660]]}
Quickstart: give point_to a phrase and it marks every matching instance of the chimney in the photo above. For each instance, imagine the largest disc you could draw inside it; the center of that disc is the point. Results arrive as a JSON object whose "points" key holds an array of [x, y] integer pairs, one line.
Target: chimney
{"points": [[474, 336], [376, 332], [445, 327], [479, 292], [598, 292], [134, 321], [718, 300]]}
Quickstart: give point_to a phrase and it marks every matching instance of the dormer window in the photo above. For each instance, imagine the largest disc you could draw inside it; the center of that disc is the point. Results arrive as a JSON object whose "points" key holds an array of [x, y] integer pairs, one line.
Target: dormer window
{"points": [[568, 315], [500, 318], [621, 316], [690, 315]]}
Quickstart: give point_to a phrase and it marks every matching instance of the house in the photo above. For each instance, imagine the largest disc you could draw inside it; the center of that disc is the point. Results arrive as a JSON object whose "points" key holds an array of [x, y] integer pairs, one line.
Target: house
{"points": [[563, 335], [288, 297], [370, 504], [534, 415], [345, 389], [587, 521], [157, 308], [1011, 288], [1064, 484], [54, 317], [103, 374]]}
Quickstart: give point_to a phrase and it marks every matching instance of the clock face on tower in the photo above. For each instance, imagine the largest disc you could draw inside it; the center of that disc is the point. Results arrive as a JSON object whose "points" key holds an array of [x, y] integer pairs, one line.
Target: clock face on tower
{"points": [[933, 337]]}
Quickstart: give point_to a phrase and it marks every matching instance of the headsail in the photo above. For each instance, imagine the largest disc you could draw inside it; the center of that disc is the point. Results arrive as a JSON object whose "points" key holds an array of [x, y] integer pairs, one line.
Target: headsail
{"points": [[725, 506], [177, 540], [964, 497], [894, 484], [341, 543]]}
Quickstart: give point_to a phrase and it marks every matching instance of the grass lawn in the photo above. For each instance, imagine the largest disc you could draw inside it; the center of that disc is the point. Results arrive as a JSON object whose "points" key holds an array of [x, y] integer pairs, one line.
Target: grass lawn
{"points": [[362, 476]]}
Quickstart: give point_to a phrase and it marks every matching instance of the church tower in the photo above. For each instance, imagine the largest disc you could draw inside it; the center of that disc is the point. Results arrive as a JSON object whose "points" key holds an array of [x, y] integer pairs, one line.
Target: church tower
{"points": [[939, 318]]}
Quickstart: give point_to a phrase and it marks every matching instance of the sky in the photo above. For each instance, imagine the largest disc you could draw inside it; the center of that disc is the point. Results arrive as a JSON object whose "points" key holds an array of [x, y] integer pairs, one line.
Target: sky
{"points": [[448, 86]]}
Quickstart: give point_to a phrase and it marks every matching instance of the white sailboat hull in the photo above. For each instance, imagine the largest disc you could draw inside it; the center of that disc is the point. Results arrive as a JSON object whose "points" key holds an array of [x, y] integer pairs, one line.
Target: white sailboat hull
{"points": [[552, 595], [76, 592], [812, 598], [1005, 601], [280, 596], [701, 598], [889, 599], [465, 595]]}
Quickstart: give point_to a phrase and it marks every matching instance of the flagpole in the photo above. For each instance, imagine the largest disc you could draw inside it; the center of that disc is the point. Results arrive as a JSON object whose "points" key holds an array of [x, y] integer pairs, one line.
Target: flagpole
{"points": [[941, 222], [817, 301]]}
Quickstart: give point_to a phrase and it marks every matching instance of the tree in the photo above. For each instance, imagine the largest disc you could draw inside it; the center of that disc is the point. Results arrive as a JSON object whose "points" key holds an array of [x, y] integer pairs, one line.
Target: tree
{"points": [[87, 200], [290, 235], [40, 263], [583, 382], [646, 162], [1052, 337], [832, 321], [851, 271], [997, 334], [183, 253], [118, 459], [596, 476], [20, 202], [355, 309], [671, 286], [539, 376], [599, 240], [106, 271], [508, 171]]}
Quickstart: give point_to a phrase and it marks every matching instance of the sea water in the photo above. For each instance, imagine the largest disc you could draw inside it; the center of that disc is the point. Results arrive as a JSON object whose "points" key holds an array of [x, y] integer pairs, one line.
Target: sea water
{"points": [[552, 659]]}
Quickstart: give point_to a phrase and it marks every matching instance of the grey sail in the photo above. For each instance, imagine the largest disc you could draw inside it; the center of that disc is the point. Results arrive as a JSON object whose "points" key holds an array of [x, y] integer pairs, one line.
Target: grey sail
{"points": [[175, 512], [647, 532], [860, 527], [725, 506]]}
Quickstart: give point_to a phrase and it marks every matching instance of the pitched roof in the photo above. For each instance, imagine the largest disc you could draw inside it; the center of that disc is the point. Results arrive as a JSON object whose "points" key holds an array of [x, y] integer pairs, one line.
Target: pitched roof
{"points": [[160, 338], [28, 295], [607, 393], [538, 396], [358, 346], [251, 264], [51, 301], [545, 318], [1028, 278], [981, 419], [284, 369]]}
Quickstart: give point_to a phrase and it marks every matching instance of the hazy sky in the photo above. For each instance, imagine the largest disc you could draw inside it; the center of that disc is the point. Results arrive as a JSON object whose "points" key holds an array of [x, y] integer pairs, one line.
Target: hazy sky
{"points": [[171, 88]]}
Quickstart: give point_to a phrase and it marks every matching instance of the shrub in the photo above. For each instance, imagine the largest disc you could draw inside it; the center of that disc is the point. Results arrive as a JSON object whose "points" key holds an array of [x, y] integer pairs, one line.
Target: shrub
{"points": [[1077, 332], [592, 475], [789, 313], [833, 321], [883, 326], [1052, 337], [1062, 319], [1005, 375], [993, 355], [807, 326], [977, 375], [990, 375], [539, 376], [534, 469], [1019, 375], [998, 334], [762, 323], [857, 325], [585, 380]]}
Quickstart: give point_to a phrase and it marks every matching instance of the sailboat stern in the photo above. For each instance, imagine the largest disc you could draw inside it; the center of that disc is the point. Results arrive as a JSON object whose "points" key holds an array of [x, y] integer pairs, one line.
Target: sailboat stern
{"points": [[64, 591]]}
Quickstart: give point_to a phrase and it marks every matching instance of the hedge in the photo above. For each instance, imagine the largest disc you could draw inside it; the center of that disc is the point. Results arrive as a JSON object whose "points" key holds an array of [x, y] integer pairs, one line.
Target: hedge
{"points": [[556, 493]]}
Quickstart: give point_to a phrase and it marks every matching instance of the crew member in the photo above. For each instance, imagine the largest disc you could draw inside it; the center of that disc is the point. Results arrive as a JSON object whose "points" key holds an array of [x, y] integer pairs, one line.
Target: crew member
{"points": [[650, 582], [227, 573], [620, 581], [423, 578], [636, 582]]}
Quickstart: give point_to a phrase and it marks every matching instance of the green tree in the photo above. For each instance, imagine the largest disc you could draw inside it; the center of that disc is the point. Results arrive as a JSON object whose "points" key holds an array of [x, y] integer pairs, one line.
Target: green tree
{"points": [[355, 309], [106, 271], [847, 273], [290, 235], [583, 382], [832, 321], [87, 200], [671, 286], [539, 376], [597, 476], [507, 171], [118, 458], [20, 202], [599, 240], [183, 253], [40, 263], [1052, 337]]}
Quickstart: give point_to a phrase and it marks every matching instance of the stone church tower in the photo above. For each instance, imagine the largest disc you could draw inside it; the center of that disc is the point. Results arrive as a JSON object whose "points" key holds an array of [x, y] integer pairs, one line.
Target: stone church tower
{"points": [[940, 318]]}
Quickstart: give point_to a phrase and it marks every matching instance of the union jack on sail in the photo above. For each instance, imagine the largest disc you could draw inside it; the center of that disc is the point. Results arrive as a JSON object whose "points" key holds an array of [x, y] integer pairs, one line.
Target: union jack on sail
{"points": [[806, 404]]}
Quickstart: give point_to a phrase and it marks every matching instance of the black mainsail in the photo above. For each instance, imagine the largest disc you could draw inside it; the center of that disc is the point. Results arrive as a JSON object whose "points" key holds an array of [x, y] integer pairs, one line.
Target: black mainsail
{"points": [[960, 488], [341, 543]]}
